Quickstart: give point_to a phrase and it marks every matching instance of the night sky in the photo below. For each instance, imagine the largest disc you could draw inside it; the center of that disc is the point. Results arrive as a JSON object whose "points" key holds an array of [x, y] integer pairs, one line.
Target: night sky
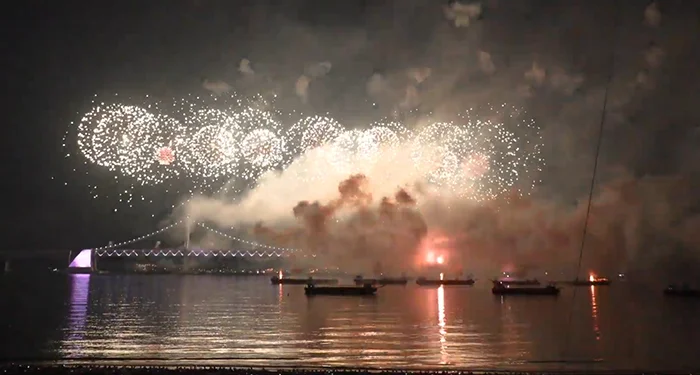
{"points": [[59, 54]]}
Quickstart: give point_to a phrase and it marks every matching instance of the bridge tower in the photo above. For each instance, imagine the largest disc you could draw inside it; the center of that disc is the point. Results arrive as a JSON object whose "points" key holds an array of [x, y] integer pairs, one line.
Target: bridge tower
{"points": [[188, 227]]}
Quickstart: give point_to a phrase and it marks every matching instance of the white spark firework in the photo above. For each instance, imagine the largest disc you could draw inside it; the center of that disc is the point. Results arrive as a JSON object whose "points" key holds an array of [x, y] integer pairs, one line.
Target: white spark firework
{"points": [[228, 121], [196, 144], [438, 149], [263, 149], [212, 152], [131, 140], [505, 153], [349, 151], [396, 127], [378, 141], [251, 119], [311, 132]]}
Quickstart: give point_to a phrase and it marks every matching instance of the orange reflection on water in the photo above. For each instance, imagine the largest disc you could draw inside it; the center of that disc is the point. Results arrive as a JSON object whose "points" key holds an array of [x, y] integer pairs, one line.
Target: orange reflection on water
{"points": [[442, 324], [594, 313], [280, 293]]}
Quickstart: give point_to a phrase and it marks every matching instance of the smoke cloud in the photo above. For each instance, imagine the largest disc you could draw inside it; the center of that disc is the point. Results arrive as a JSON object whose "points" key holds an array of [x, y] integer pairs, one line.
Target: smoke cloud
{"points": [[358, 221], [245, 68], [652, 15], [463, 14], [216, 87], [415, 58]]}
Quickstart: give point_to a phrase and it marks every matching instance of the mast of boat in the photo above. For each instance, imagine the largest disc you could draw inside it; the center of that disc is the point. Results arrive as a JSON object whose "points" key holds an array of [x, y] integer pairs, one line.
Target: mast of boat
{"points": [[595, 166], [595, 162]]}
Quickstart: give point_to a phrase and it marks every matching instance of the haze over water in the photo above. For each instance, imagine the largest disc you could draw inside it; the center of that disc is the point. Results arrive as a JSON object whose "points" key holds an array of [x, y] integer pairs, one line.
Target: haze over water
{"points": [[247, 321]]}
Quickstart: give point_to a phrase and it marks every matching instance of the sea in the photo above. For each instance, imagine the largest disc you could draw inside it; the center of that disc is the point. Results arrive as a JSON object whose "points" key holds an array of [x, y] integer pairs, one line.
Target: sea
{"points": [[246, 321]]}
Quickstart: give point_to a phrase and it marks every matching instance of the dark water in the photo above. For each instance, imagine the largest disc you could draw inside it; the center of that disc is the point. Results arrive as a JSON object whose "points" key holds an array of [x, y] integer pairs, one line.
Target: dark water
{"points": [[245, 320]]}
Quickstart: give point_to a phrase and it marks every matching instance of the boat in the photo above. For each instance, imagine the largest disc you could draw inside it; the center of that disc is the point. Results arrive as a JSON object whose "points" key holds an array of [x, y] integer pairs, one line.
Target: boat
{"points": [[592, 281], [517, 282], [422, 281], [505, 290], [683, 291], [346, 290], [276, 280], [359, 280]]}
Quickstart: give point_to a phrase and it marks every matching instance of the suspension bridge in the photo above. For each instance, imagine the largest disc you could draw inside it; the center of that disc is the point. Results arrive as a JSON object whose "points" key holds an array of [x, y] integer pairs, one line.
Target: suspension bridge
{"points": [[144, 247], [242, 248]]}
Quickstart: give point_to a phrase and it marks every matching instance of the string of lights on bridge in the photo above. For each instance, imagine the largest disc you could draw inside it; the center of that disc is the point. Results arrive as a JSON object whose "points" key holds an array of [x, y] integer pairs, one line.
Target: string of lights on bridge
{"points": [[225, 188], [137, 239], [188, 253], [226, 235]]}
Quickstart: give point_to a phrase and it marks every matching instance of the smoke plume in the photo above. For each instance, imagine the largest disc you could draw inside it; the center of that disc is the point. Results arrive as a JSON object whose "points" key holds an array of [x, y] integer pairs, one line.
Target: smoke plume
{"points": [[216, 87], [405, 60], [358, 221]]}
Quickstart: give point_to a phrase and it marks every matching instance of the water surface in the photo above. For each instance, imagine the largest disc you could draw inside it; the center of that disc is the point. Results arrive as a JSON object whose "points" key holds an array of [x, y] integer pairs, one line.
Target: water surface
{"points": [[247, 321]]}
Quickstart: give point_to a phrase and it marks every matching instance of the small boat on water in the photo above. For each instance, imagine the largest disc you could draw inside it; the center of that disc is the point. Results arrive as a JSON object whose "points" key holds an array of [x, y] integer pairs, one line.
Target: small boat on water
{"points": [[276, 280], [592, 281], [359, 280], [346, 290], [517, 282], [507, 290], [422, 281], [683, 291]]}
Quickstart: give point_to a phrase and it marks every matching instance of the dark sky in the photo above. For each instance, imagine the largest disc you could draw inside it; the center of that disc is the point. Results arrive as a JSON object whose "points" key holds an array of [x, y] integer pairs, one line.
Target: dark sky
{"points": [[57, 55]]}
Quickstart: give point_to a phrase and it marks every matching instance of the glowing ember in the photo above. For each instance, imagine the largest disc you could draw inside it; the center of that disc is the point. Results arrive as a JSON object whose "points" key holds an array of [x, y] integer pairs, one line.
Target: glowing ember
{"points": [[165, 156], [436, 248], [593, 278]]}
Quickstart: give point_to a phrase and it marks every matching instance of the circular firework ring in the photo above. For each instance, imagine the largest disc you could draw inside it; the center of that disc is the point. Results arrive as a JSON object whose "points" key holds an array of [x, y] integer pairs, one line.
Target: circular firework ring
{"points": [[378, 142], [312, 132], [128, 139], [212, 152], [490, 151], [263, 149]]}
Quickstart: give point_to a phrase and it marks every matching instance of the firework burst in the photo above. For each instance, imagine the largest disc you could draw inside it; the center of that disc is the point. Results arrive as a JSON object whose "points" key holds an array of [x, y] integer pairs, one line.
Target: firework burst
{"points": [[200, 144], [130, 140], [212, 152], [312, 132]]}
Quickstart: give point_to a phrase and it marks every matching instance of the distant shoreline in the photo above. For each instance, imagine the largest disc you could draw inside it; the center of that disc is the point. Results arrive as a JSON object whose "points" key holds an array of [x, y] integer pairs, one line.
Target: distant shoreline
{"points": [[274, 370]]}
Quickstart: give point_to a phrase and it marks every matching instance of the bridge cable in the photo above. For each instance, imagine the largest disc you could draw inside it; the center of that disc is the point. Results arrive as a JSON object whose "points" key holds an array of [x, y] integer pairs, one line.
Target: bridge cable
{"points": [[616, 25]]}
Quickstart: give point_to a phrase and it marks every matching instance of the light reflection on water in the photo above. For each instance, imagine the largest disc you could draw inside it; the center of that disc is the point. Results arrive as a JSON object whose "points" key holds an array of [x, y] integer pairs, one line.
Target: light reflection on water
{"points": [[594, 312], [441, 324], [245, 320], [79, 299]]}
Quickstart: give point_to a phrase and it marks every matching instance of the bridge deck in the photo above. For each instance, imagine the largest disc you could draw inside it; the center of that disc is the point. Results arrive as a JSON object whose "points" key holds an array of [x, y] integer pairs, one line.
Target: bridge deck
{"points": [[188, 253]]}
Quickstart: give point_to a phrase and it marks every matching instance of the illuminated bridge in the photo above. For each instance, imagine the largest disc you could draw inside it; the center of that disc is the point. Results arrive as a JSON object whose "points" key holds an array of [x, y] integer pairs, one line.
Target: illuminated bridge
{"points": [[243, 249], [185, 253]]}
